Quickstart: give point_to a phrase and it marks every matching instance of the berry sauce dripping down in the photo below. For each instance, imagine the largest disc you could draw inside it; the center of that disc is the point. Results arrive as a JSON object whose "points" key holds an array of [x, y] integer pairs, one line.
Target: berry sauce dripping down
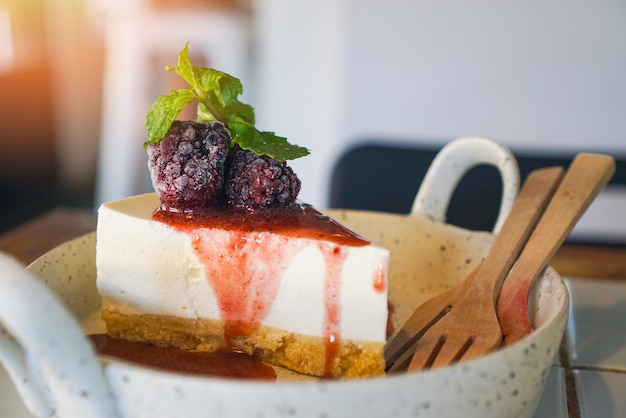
{"points": [[239, 239], [334, 257]]}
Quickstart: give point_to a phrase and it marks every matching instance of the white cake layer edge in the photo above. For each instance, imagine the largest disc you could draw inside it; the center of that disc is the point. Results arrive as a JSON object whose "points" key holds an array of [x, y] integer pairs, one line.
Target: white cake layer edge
{"points": [[145, 266]]}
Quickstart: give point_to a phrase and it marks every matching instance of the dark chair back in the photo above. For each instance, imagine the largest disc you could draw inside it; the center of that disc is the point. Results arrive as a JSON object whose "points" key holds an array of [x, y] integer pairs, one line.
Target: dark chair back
{"points": [[384, 176]]}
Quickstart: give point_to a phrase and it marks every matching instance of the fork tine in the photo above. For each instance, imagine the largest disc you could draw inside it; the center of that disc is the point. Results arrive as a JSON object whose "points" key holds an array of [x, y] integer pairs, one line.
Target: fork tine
{"points": [[422, 319], [438, 350], [402, 362], [453, 350], [480, 346], [426, 351]]}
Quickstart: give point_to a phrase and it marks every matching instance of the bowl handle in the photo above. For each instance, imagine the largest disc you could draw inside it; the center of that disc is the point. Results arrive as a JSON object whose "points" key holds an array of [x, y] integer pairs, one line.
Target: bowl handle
{"points": [[45, 352], [452, 163]]}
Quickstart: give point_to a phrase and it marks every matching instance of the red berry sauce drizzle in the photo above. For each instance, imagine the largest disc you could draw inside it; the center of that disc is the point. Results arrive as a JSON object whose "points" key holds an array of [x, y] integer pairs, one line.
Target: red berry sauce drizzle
{"points": [[334, 258], [234, 241], [222, 363]]}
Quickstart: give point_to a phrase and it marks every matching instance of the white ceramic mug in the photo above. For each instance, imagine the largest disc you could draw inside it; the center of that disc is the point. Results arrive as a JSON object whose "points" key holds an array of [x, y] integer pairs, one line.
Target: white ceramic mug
{"points": [[57, 373]]}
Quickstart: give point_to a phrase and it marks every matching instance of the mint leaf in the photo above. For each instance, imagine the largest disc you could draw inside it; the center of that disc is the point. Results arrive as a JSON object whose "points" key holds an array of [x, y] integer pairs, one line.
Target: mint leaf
{"points": [[238, 111], [241, 111], [184, 68], [223, 87], [264, 143], [204, 115], [217, 94], [164, 112]]}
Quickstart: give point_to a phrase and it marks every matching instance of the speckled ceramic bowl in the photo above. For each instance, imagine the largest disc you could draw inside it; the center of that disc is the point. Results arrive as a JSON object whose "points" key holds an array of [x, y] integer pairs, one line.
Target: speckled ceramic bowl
{"points": [[57, 373]]}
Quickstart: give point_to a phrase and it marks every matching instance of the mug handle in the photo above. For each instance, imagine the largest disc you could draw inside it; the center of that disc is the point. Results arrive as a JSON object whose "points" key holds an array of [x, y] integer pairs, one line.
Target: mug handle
{"points": [[45, 352], [452, 163]]}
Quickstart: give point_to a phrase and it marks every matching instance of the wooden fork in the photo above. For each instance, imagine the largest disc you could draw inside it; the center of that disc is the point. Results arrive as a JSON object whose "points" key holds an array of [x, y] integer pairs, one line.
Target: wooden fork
{"points": [[586, 176], [462, 321]]}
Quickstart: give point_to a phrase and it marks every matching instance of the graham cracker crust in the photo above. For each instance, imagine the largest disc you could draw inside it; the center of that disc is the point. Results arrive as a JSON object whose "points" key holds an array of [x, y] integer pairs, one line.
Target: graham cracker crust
{"points": [[300, 353]]}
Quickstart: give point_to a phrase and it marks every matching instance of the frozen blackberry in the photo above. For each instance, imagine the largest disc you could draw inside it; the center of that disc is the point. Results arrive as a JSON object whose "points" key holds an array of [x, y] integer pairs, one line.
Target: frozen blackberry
{"points": [[187, 165], [255, 182]]}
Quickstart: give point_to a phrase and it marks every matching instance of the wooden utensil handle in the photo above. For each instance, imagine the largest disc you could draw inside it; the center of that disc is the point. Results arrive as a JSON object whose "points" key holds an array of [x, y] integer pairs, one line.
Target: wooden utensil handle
{"points": [[586, 177], [525, 214]]}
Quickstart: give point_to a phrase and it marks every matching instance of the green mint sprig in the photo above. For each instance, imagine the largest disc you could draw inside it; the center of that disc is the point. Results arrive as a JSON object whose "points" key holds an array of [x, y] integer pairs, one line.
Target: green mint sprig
{"points": [[217, 96]]}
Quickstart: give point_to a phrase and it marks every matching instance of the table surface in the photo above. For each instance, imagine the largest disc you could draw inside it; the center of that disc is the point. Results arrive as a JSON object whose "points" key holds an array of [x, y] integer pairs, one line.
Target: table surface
{"points": [[584, 382]]}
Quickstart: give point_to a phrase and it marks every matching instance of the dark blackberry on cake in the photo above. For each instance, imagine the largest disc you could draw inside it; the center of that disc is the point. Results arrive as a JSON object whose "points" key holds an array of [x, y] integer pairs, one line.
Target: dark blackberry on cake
{"points": [[256, 182], [187, 166]]}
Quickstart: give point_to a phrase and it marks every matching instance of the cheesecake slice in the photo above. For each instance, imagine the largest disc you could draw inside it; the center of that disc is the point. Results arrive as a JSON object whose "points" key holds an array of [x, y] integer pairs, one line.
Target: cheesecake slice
{"points": [[289, 286]]}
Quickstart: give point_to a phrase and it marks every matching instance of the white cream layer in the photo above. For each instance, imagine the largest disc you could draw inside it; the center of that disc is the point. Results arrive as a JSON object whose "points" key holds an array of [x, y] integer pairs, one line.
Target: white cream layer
{"points": [[145, 266]]}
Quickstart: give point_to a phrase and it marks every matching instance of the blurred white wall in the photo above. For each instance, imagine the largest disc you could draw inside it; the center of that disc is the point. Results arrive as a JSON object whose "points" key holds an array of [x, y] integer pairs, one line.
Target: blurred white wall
{"points": [[533, 75]]}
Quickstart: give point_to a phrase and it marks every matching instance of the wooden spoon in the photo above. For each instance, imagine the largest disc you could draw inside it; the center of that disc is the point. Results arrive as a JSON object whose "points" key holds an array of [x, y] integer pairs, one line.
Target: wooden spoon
{"points": [[586, 177]]}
